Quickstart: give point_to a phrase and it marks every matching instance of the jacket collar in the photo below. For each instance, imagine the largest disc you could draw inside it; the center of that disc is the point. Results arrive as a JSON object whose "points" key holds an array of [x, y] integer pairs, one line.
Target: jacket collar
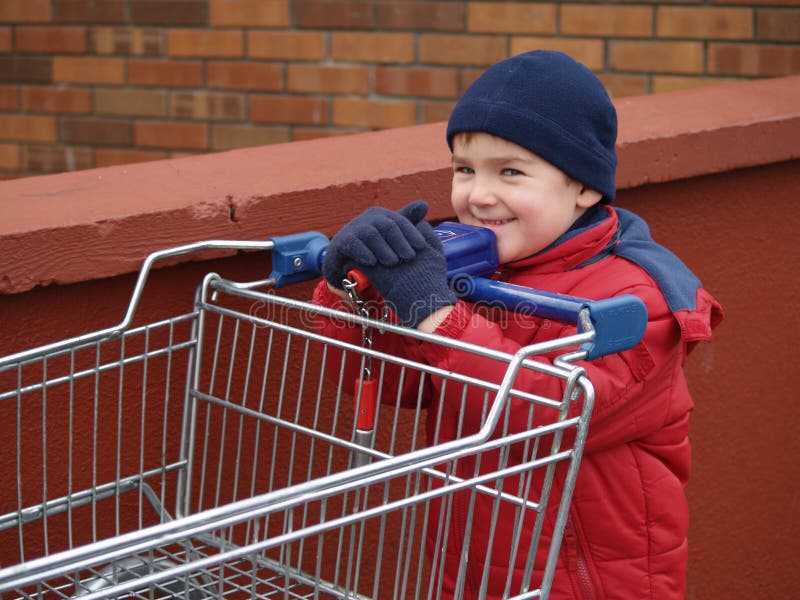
{"points": [[605, 230]]}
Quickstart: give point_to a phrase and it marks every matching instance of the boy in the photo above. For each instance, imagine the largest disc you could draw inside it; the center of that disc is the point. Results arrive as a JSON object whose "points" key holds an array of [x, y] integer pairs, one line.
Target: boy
{"points": [[533, 143]]}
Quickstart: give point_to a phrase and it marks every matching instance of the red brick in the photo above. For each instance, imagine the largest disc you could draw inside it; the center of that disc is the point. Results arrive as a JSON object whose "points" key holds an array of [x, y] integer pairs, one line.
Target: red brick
{"points": [[19, 69], [511, 17], [357, 112], [431, 82], [129, 41], [51, 40], [56, 100], [656, 57], [590, 52], [130, 102], [748, 59], [249, 13], [415, 16], [90, 11], [96, 132], [244, 76], [191, 43], [68, 69], [435, 112], [468, 77], [328, 80], [9, 157], [56, 159], [286, 45], [333, 14], [302, 110], [792, 3], [662, 1], [778, 25], [25, 11], [213, 106], [169, 12], [107, 157], [704, 22], [610, 20], [230, 137], [373, 47], [165, 73], [478, 50], [165, 134], [6, 41], [27, 128], [8, 97]]}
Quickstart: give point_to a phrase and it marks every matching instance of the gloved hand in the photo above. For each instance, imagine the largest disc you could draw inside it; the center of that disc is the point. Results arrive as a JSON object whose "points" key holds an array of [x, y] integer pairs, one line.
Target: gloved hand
{"points": [[401, 256]]}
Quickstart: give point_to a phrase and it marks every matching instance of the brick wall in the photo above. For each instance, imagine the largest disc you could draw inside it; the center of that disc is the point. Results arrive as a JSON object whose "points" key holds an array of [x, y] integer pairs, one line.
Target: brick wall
{"points": [[91, 83]]}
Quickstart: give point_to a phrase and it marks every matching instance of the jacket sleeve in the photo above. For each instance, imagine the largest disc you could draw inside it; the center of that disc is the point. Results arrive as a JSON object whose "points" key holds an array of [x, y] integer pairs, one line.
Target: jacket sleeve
{"points": [[398, 385], [628, 403]]}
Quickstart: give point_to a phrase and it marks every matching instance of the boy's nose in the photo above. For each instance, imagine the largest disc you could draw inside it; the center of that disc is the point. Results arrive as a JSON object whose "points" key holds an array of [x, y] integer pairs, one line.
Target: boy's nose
{"points": [[482, 193]]}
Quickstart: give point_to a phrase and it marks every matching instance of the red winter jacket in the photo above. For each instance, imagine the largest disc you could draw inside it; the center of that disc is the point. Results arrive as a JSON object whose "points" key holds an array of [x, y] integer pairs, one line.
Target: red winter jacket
{"points": [[626, 536]]}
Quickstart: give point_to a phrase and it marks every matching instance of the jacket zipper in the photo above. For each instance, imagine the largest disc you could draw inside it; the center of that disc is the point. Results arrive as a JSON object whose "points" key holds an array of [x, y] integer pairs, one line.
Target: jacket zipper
{"points": [[469, 585], [584, 577], [585, 582]]}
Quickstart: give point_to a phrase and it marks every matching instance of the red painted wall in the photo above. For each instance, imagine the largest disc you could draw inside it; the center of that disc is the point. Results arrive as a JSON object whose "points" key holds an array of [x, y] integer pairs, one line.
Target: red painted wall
{"points": [[714, 171], [737, 231]]}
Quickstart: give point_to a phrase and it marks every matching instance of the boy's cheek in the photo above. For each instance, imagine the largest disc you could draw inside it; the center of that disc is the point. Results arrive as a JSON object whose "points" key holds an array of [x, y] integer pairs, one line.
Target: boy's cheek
{"points": [[459, 207]]}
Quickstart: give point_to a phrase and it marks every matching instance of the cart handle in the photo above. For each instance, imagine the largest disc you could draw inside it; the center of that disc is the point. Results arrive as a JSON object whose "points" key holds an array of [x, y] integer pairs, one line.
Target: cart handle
{"points": [[618, 323], [136, 295]]}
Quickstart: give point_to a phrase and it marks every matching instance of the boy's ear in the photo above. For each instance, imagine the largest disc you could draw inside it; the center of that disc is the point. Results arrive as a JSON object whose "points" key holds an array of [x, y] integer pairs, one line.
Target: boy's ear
{"points": [[587, 197]]}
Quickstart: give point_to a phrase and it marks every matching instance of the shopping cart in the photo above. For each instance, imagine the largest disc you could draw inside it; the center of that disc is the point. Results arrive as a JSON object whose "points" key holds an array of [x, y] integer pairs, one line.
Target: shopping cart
{"points": [[225, 453]]}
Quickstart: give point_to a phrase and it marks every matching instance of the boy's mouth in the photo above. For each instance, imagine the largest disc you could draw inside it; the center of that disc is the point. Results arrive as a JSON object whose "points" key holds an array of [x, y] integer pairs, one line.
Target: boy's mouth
{"points": [[494, 222]]}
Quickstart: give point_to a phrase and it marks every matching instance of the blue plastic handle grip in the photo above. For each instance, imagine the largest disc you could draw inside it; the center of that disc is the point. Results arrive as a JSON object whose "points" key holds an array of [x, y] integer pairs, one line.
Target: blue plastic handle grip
{"points": [[471, 253], [469, 250], [298, 257], [619, 322]]}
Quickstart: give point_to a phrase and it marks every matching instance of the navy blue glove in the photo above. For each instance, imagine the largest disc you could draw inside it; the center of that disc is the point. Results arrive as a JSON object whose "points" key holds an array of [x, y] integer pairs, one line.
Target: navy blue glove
{"points": [[401, 256]]}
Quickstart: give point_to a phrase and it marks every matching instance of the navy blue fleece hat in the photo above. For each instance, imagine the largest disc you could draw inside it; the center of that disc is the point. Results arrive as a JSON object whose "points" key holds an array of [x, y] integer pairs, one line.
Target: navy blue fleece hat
{"points": [[550, 104]]}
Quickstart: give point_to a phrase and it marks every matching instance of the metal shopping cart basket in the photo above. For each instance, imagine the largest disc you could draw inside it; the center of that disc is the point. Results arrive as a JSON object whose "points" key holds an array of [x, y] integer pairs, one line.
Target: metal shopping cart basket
{"points": [[226, 453]]}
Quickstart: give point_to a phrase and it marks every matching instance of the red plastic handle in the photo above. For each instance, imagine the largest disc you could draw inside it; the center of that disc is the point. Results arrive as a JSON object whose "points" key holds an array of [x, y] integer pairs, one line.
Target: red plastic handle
{"points": [[365, 405], [362, 283]]}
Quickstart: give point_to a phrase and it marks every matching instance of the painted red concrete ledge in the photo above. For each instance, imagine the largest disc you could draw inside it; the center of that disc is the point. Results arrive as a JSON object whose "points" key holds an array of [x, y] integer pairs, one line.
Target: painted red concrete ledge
{"points": [[98, 223]]}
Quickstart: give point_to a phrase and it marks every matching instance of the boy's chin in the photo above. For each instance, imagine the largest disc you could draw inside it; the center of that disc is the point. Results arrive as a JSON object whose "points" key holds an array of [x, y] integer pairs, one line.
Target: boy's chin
{"points": [[511, 255]]}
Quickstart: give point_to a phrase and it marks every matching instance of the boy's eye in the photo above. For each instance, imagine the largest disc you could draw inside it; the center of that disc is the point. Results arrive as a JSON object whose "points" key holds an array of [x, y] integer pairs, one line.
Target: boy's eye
{"points": [[464, 170], [510, 171]]}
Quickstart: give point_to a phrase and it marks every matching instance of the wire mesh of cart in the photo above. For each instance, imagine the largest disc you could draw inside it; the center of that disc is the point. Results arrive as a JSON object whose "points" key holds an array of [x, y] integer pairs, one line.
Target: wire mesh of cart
{"points": [[232, 452]]}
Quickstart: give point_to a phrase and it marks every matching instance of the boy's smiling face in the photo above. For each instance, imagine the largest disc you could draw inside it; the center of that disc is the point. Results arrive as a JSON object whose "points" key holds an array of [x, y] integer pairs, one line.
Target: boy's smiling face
{"points": [[525, 200]]}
